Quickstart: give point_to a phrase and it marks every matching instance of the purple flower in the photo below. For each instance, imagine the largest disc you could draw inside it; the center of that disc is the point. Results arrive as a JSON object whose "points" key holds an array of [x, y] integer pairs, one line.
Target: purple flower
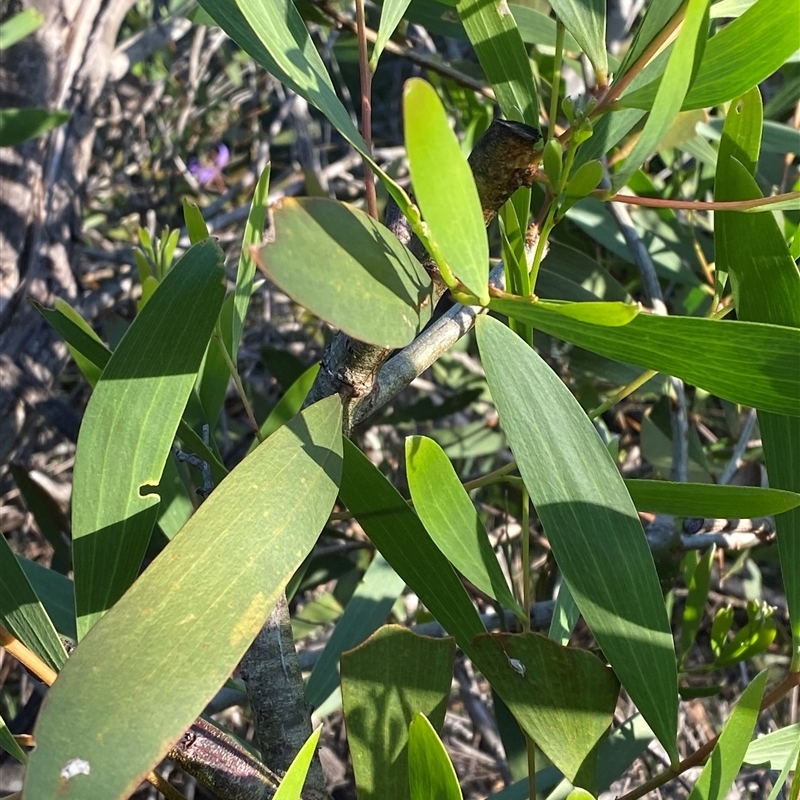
{"points": [[207, 173]]}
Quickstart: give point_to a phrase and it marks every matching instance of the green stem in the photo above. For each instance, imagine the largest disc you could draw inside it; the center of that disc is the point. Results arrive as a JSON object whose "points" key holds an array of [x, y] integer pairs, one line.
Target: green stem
{"points": [[526, 566], [248, 409], [491, 477], [556, 87], [623, 393]]}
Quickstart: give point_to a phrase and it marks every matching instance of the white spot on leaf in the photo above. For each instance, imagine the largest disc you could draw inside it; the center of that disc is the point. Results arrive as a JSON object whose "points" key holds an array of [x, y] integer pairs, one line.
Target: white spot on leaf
{"points": [[73, 767], [517, 666]]}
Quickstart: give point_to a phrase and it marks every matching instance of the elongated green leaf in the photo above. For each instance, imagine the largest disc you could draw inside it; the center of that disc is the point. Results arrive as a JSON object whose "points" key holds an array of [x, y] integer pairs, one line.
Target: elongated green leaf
{"points": [[89, 368], [56, 593], [536, 27], [49, 517], [22, 614], [493, 32], [586, 21], [709, 499], [671, 90], [726, 758], [129, 427], [19, 26], [274, 34], [90, 354], [195, 223], [366, 611], [201, 601], [590, 521], [349, 270], [563, 697], [419, 671], [606, 314], [766, 287], [391, 13], [430, 770], [739, 57], [214, 375], [95, 355], [402, 539], [292, 783], [445, 509], [10, 745], [565, 616], [445, 188], [253, 231], [696, 600], [289, 404], [19, 124], [744, 362], [772, 750]]}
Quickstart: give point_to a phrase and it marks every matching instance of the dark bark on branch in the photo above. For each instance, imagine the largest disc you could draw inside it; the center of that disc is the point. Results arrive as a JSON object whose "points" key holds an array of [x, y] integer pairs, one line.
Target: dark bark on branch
{"points": [[503, 159], [224, 766]]}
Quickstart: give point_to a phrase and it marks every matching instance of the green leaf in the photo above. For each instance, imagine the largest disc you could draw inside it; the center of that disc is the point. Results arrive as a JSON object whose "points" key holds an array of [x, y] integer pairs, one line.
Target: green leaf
{"points": [[723, 764], [586, 21], [584, 180], [450, 518], [391, 13], [419, 671], [696, 600], [10, 744], [202, 600], [129, 427], [49, 517], [195, 224], [772, 750], [274, 35], [292, 783], [88, 365], [22, 614], [349, 270], [766, 288], [709, 500], [590, 521], [604, 314], [289, 404], [56, 593], [403, 541], [445, 188], [744, 362], [565, 616], [493, 32], [214, 375], [739, 57], [366, 611], [20, 124], [563, 697], [253, 231], [18, 27], [671, 90], [430, 770], [536, 27]]}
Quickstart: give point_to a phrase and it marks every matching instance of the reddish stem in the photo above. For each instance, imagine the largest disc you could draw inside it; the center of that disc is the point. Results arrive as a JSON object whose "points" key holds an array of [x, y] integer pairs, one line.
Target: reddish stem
{"points": [[366, 108]]}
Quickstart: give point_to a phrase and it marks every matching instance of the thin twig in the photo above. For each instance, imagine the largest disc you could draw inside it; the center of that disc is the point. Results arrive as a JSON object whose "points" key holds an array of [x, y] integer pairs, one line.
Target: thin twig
{"points": [[405, 52], [700, 755], [163, 786], [365, 73], [27, 657]]}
